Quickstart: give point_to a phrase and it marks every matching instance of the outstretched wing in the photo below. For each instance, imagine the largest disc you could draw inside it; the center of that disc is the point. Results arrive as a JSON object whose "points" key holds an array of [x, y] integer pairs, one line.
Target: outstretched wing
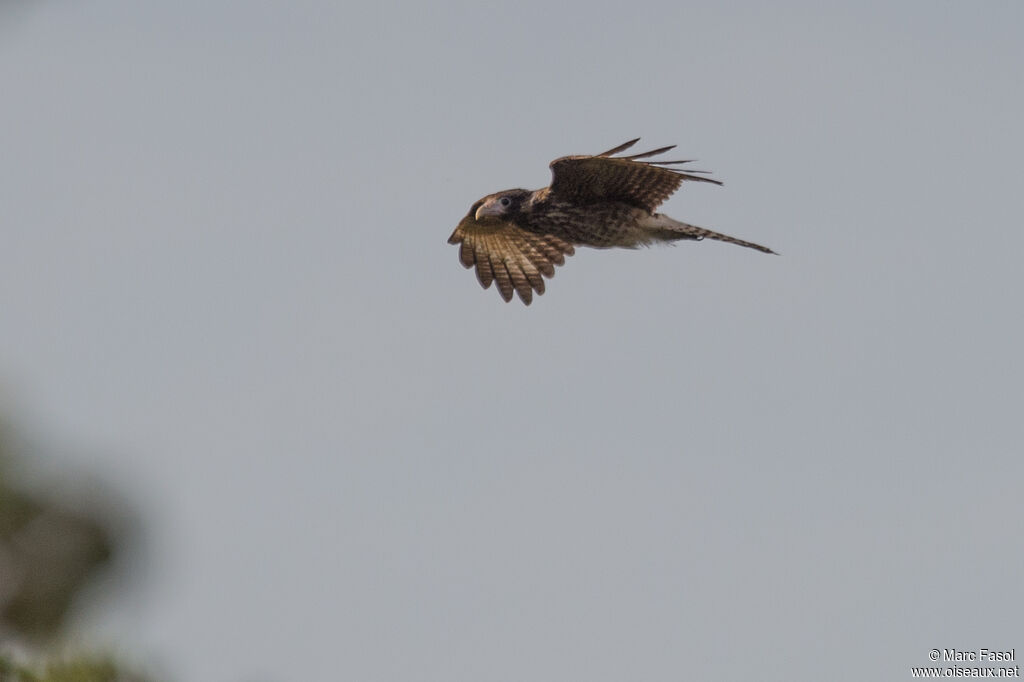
{"points": [[517, 259], [605, 177]]}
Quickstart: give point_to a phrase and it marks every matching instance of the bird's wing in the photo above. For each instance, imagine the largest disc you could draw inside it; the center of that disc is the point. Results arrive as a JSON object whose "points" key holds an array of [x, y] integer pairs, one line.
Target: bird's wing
{"points": [[605, 177], [517, 259]]}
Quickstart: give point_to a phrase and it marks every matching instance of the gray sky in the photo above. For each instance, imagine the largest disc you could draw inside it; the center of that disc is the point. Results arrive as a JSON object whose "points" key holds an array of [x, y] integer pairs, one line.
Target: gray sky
{"points": [[225, 286]]}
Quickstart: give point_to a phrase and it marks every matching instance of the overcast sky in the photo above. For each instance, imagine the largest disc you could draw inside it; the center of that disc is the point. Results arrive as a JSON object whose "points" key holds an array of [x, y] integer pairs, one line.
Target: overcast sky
{"points": [[225, 288]]}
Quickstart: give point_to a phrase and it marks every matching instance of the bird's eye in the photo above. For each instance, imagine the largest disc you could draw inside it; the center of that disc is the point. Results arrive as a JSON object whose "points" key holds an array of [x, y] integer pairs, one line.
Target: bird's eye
{"points": [[505, 201]]}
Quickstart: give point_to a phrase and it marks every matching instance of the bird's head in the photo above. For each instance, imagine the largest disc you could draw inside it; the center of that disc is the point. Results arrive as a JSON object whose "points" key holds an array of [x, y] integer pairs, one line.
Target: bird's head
{"points": [[504, 205]]}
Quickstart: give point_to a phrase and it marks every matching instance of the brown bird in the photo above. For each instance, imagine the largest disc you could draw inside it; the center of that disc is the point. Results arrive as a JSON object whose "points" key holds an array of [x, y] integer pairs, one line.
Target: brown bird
{"points": [[517, 237]]}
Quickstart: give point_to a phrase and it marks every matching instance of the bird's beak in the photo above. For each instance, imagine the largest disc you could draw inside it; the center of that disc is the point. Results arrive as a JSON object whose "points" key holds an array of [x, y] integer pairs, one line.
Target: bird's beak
{"points": [[488, 209]]}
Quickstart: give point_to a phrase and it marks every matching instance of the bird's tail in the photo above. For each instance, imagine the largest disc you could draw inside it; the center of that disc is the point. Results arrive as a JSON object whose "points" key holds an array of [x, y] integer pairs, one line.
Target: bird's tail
{"points": [[661, 227]]}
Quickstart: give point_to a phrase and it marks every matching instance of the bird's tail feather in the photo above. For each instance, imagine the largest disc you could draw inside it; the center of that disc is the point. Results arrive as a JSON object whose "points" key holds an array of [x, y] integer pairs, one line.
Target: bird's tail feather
{"points": [[662, 227]]}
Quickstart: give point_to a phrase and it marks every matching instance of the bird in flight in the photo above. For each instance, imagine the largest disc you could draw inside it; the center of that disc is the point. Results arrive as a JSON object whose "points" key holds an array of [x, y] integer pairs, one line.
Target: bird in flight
{"points": [[516, 238]]}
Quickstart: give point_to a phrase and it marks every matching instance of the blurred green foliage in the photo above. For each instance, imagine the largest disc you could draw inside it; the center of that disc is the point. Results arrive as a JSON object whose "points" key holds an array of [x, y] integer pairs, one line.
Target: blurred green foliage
{"points": [[46, 555], [51, 545], [73, 669]]}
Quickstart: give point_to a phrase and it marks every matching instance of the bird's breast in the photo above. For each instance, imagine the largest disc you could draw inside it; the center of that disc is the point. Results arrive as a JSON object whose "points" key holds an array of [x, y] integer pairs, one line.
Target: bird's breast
{"points": [[601, 225]]}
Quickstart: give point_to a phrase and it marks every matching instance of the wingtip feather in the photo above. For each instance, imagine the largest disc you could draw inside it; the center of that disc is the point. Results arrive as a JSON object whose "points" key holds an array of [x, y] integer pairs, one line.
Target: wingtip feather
{"points": [[621, 148], [653, 152]]}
